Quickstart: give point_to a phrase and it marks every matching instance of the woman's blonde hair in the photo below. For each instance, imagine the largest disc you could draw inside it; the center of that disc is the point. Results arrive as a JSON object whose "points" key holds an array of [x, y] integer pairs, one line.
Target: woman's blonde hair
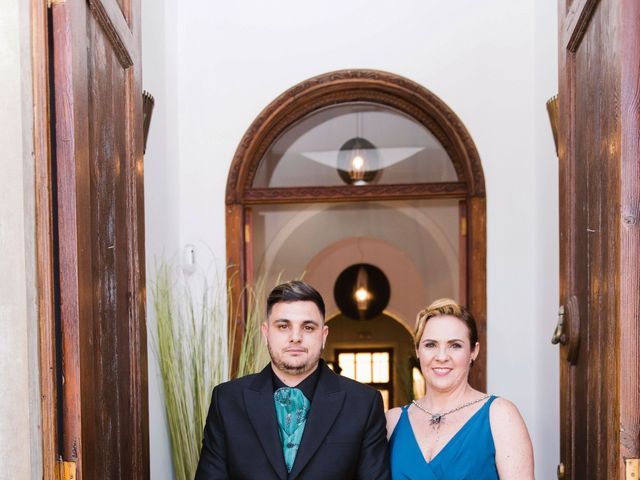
{"points": [[445, 306]]}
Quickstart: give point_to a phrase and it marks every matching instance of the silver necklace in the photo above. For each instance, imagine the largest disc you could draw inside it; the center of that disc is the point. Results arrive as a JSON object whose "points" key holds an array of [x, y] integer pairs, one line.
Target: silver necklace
{"points": [[436, 418]]}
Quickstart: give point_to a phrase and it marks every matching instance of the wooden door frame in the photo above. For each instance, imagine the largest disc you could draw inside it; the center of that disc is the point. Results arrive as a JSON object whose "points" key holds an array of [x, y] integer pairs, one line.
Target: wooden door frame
{"points": [[44, 236], [347, 86]]}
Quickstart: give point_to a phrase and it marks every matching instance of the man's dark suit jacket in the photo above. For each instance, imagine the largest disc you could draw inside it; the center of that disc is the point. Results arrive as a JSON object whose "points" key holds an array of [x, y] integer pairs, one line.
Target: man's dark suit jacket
{"points": [[344, 437]]}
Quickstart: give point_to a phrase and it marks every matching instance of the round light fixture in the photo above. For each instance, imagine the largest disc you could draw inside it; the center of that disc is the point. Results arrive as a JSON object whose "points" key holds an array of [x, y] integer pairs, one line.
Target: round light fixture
{"points": [[362, 291], [358, 162]]}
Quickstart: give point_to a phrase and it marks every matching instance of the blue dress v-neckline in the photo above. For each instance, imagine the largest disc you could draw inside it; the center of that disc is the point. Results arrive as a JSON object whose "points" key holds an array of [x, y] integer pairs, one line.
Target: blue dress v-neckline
{"points": [[470, 453]]}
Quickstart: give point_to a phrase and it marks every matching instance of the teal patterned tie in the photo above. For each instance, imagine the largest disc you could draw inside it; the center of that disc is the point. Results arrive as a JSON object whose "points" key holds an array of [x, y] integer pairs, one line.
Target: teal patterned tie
{"points": [[292, 408]]}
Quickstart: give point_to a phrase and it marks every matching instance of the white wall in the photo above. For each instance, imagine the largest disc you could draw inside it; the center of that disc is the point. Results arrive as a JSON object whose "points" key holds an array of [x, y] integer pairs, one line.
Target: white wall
{"points": [[20, 434], [545, 431], [493, 62], [162, 171]]}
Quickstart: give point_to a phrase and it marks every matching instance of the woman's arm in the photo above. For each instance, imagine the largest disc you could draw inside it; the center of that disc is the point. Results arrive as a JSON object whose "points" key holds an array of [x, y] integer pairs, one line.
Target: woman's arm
{"points": [[393, 416], [514, 453]]}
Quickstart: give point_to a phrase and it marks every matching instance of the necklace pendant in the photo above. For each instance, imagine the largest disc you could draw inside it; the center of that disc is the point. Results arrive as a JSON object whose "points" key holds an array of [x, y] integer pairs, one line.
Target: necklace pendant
{"points": [[436, 419]]}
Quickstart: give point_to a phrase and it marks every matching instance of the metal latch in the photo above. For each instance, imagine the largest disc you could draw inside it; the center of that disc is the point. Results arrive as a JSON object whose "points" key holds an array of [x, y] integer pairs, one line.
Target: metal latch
{"points": [[65, 470], [558, 334], [632, 469]]}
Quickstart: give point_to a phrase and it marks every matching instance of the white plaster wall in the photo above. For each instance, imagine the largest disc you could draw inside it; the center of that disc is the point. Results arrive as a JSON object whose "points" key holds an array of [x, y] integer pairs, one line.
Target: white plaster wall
{"points": [[162, 170], [493, 62], [20, 437], [545, 430]]}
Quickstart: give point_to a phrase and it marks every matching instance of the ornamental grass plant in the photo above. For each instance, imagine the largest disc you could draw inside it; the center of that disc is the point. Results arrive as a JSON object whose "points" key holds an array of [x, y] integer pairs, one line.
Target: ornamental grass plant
{"points": [[194, 353]]}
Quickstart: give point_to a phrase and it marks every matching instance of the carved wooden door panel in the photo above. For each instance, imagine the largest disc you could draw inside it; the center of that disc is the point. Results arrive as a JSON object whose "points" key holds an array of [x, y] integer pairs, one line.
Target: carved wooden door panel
{"points": [[99, 169], [599, 151]]}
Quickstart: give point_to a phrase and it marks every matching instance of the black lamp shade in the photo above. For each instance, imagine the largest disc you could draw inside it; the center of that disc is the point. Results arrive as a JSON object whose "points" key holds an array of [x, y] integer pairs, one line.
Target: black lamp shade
{"points": [[377, 285], [368, 153]]}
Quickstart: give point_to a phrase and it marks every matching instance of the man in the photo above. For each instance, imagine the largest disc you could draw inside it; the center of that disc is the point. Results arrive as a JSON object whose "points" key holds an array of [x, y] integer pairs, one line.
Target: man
{"points": [[327, 428]]}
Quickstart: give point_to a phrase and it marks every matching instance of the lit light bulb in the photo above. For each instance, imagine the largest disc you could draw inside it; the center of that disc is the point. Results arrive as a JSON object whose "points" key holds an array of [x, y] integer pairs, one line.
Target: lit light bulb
{"points": [[361, 295], [357, 163]]}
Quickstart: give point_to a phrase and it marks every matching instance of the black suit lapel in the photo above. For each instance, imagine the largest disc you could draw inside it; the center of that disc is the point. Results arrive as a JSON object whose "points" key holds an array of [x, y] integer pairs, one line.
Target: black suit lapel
{"points": [[326, 404], [258, 399]]}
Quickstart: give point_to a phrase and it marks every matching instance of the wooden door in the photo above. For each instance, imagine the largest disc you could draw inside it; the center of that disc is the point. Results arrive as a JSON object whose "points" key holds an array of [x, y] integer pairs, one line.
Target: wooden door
{"points": [[599, 151], [99, 169]]}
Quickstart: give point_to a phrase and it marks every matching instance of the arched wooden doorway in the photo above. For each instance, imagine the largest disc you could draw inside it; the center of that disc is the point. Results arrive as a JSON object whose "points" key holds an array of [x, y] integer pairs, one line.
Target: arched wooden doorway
{"points": [[379, 88]]}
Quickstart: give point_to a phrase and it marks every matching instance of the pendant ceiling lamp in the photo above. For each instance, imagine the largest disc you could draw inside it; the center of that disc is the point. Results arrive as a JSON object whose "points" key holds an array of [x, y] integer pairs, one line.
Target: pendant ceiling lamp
{"points": [[362, 291], [358, 158], [358, 162]]}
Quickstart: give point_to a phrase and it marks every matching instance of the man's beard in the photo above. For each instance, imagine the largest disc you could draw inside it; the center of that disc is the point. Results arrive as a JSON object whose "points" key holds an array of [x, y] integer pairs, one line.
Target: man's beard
{"points": [[283, 366]]}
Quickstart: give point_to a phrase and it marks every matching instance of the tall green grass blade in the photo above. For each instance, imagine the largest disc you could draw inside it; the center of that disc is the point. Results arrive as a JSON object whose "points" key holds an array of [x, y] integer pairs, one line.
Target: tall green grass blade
{"points": [[191, 344]]}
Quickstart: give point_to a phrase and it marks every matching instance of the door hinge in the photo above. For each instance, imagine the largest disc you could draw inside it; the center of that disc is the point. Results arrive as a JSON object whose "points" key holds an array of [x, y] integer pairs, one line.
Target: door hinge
{"points": [[463, 226], [65, 470], [632, 470], [51, 3]]}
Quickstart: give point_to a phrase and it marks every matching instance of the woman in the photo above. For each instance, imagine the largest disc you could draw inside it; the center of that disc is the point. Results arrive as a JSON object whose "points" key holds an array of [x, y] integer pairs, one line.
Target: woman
{"points": [[454, 431]]}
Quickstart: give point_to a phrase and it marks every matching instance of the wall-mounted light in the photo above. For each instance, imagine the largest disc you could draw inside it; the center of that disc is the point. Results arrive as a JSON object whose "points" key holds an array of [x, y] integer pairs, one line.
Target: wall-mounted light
{"points": [[188, 263]]}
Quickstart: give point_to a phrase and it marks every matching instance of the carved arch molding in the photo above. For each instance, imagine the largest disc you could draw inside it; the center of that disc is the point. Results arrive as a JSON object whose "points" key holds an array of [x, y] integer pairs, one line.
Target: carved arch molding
{"points": [[382, 88], [348, 86]]}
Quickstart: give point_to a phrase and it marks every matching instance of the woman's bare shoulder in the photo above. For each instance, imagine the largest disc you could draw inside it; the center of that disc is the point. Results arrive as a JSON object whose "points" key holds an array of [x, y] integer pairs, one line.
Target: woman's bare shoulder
{"points": [[503, 408]]}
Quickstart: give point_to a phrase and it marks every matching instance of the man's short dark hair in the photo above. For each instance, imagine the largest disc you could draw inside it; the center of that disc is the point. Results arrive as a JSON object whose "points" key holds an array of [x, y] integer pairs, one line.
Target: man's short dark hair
{"points": [[295, 291]]}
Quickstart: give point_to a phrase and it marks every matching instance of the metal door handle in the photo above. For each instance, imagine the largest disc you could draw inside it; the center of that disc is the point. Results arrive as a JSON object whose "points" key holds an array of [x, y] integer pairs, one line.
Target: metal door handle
{"points": [[558, 334]]}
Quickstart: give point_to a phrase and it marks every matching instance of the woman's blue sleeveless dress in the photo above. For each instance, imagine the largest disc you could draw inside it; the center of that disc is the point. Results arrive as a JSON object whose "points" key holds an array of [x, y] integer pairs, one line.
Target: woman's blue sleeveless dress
{"points": [[470, 454]]}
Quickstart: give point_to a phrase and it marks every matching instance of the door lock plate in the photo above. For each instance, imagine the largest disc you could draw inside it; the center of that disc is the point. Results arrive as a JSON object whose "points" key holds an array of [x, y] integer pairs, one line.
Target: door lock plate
{"points": [[632, 470]]}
